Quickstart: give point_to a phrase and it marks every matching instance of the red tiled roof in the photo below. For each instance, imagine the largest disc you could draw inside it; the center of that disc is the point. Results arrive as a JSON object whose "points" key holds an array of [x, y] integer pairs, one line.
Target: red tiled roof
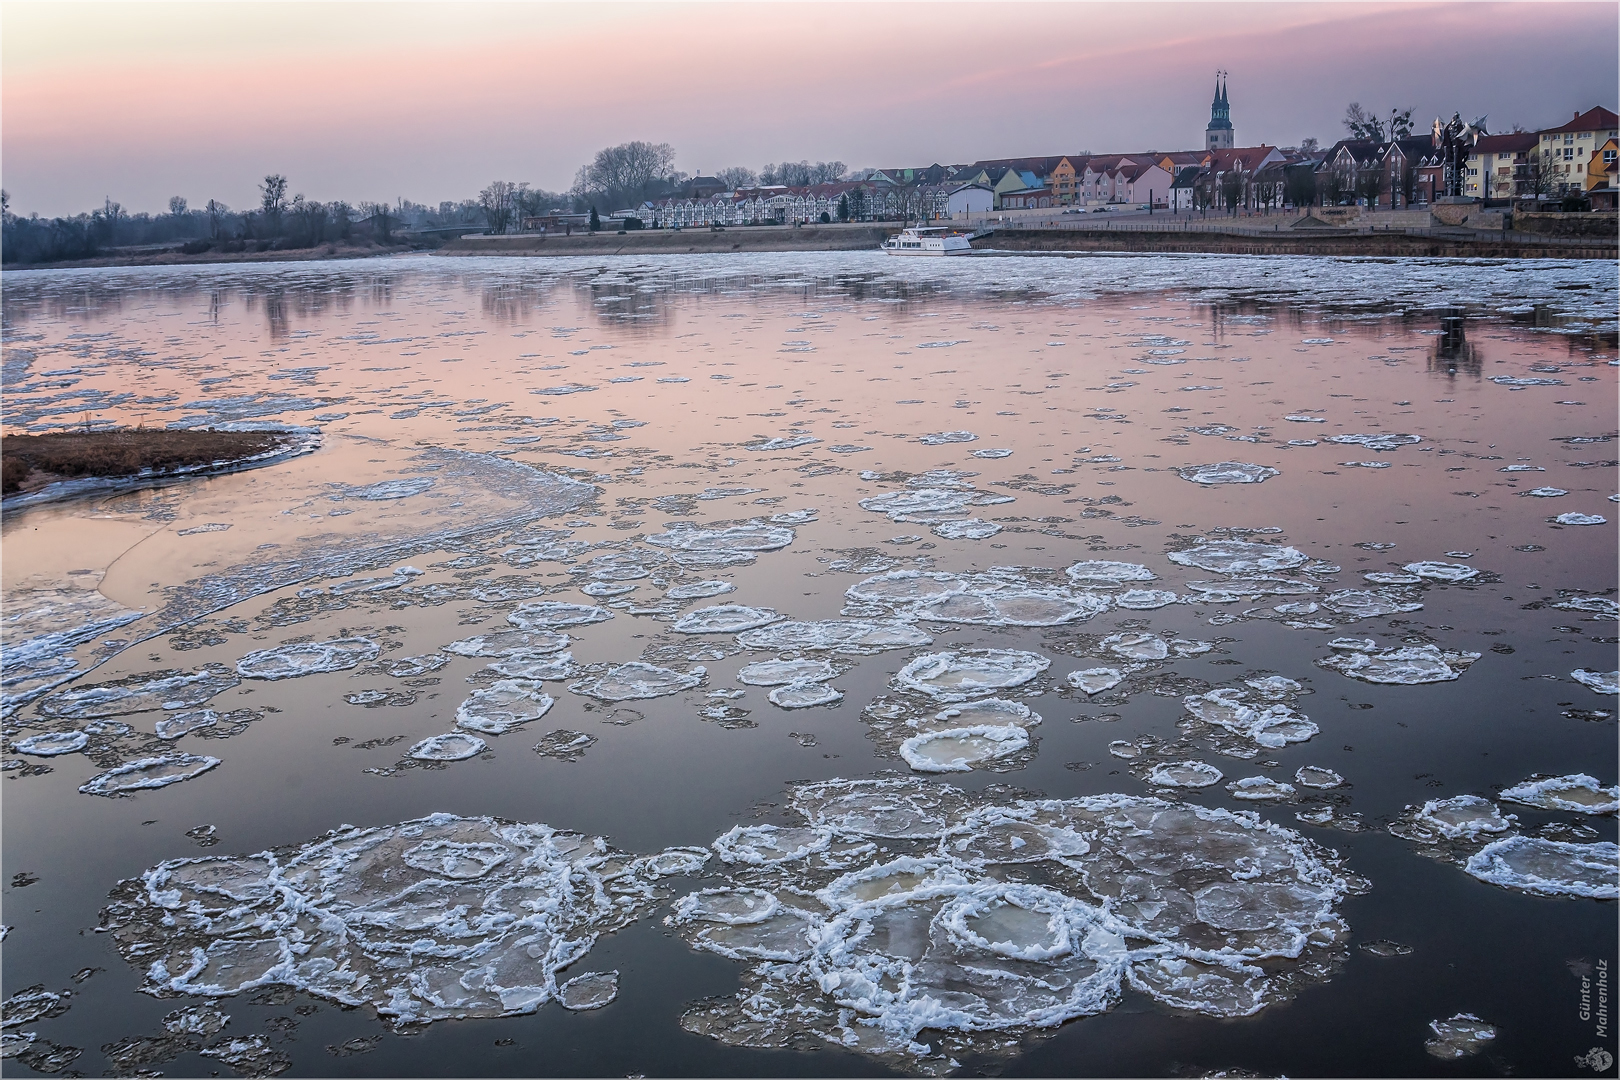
{"points": [[1507, 144], [1590, 120]]}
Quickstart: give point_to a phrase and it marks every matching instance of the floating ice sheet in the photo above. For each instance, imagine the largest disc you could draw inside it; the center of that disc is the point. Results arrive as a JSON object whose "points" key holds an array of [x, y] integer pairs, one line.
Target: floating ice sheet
{"points": [[1603, 606], [1227, 472], [1599, 682], [1577, 792], [636, 680], [510, 643], [592, 990], [1376, 440], [1095, 680], [52, 743], [1581, 519], [1106, 574], [185, 722], [499, 708], [451, 746], [430, 919], [1271, 725], [805, 695], [850, 637], [1439, 571], [536, 667], [1364, 604], [1145, 599], [957, 676], [699, 590], [959, 749], [785, 672], [564, 745], [1461, 1036], [137, 693], [782, 442], [1550, 868], [1014, 607], [1315, 776], [867, 948], [553, 615], [1408, 665], [146, 773], [1260, 789], [1185, 774], [724, 619], [735, 545], [1239, 557], [967, 529], [307, 658]]}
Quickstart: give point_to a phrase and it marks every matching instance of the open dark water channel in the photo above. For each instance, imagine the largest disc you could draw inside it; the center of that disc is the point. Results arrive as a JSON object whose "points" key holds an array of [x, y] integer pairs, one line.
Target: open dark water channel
{"points": [[820, 666]]}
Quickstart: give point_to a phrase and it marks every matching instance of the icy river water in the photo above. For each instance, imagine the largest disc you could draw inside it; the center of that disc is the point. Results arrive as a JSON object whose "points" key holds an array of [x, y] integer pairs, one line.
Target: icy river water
{"points": [[811, 665]]}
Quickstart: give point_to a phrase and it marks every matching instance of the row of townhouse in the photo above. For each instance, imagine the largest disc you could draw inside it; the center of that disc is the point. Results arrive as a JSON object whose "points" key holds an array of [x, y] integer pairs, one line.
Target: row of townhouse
{"points": [[1570, 159], [1577, 156], [1574, 157], [1580, 155], [782, 205]]}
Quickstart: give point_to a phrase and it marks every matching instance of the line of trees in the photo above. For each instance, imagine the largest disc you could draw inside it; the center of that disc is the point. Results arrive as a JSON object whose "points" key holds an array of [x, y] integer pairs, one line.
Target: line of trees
{"points": [[622, 177], [279, 222]]}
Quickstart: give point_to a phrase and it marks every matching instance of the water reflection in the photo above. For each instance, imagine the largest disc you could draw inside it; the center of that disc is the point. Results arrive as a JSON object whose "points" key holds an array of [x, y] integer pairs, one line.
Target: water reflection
{"points": [[1452, 351]]}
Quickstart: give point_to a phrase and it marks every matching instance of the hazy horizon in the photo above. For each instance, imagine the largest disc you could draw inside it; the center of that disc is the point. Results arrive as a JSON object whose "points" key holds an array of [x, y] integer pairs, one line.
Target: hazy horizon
{"points": [[141, 101]]}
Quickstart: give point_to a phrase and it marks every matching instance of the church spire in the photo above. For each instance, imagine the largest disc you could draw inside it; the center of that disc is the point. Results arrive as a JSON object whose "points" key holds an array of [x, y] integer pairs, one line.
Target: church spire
{"points": [[1218, 136]]}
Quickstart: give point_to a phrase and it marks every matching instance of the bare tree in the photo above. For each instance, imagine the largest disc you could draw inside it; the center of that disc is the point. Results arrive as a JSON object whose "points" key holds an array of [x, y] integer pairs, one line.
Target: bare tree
{"points": [[216, 212], [860, 204], [497, 202], [1362, 124], [737, 177], [624, 173], [1365, 125], [1232, 190], [381, 216], [1542, 173], [1370, 184], [177, 206], [273, 200], [309, 220], [108, 219], [1309, 145], [342, 218]]}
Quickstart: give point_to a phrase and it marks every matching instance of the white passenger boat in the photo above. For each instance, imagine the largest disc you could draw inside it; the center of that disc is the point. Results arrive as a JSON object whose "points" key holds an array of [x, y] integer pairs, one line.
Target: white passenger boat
{"points": [[936, 240]]}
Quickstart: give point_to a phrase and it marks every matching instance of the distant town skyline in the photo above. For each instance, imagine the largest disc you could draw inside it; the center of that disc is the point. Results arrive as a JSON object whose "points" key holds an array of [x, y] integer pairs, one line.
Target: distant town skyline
{"points": [[141, 101]]}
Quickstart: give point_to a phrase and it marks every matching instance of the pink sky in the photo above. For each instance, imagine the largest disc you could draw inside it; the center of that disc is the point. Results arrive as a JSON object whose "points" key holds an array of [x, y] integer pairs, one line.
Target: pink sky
{"points": [[427, 101]]}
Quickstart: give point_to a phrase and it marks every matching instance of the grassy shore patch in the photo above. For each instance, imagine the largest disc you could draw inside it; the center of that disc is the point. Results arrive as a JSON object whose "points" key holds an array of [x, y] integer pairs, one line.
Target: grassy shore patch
{"points": [[29, 462]]}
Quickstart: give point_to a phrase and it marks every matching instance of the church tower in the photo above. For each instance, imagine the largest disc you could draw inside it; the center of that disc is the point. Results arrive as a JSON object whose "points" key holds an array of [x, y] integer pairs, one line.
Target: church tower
{"points": [[1218, 136]]}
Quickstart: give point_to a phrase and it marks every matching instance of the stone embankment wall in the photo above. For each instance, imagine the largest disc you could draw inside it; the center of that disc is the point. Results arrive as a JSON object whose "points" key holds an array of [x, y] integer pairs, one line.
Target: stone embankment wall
{"points": [[1293, 243], [1602, 224], [696, 239]]}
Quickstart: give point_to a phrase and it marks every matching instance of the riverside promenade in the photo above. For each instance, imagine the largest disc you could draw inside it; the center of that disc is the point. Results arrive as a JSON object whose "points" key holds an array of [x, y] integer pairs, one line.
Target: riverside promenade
{"points": [[1382, 233]]}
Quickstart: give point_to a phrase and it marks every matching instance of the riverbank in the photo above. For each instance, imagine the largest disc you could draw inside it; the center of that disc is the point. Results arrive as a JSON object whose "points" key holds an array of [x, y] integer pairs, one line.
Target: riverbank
{"points": [[1132, 236], [174, 256], [63, 464], [679, 241], [1388, 244]]}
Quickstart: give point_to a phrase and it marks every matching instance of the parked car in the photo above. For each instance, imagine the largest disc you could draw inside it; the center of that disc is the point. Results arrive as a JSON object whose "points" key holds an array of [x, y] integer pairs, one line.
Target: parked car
{"points": [[1075, 210], [1103, 210]]}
